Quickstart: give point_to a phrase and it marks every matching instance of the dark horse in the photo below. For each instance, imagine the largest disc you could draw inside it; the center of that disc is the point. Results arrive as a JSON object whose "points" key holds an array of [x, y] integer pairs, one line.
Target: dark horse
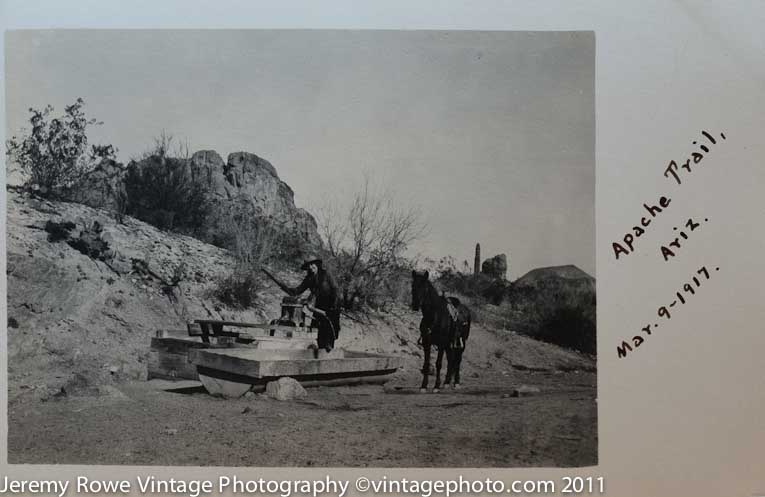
{"points": [[445, 324]]}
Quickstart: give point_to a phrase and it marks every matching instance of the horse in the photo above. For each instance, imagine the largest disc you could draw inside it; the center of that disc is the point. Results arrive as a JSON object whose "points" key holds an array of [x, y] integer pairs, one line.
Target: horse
{"points": [[446, 324]]}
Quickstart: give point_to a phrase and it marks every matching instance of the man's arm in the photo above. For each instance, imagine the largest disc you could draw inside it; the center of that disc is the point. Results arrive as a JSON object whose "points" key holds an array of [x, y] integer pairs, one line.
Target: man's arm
{"points": [[305, 285], [284, 287]]}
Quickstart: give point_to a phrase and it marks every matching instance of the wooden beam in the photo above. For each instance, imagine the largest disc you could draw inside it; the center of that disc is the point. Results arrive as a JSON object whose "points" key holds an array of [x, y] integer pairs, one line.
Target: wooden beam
{"points": [[254, 363]]}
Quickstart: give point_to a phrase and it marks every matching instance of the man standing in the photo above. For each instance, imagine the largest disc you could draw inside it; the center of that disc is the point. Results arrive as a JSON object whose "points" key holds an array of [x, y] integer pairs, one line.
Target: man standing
{"points": [[324, 288]]}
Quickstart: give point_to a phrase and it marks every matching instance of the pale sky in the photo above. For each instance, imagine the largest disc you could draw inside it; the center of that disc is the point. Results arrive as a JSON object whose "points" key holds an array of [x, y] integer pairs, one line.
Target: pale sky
{"points": [[491, 134]]}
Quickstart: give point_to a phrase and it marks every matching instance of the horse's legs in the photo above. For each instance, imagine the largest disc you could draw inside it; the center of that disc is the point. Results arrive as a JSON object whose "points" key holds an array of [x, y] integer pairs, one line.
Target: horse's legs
{"points": [[439, 360], [426, 364], [449, 366], [457, 364]]}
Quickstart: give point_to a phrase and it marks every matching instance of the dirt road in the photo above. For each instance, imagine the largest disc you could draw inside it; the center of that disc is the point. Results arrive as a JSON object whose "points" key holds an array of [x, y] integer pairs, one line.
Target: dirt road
{"points": [[480, 425]]}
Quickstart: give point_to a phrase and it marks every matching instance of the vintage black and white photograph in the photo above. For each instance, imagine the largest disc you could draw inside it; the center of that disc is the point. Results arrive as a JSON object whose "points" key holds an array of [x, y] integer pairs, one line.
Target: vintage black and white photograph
{"points": [[301, 248]]}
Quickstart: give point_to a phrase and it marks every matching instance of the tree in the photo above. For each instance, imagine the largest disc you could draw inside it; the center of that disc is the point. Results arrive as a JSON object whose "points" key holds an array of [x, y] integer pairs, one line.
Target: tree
{"points": [[367, 240], [54, 153]]}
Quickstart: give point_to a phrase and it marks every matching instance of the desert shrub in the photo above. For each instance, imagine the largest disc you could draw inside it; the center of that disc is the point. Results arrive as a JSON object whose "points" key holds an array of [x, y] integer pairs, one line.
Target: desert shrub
{"points": [[555, 310], [366, 241], [476, 286], [180, 272], [160, 190], [253, 240], [54, 153], [375, 289], [570, 327], [239, 289]]}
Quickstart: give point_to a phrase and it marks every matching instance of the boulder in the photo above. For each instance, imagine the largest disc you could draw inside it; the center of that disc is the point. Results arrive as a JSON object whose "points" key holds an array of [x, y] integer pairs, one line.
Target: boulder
{"points": [[496, 267], [525, 391], [285, 388]]}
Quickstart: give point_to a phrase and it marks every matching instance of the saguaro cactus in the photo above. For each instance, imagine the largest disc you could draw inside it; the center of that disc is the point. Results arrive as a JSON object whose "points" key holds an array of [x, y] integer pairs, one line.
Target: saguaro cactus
{"points": [[477, 264]]}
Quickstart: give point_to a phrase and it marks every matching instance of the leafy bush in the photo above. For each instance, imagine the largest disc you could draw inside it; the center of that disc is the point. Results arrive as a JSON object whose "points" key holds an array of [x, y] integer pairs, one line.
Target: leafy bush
{"points": [[54, 153], [161, 191], [570, 327], [556, 310]]}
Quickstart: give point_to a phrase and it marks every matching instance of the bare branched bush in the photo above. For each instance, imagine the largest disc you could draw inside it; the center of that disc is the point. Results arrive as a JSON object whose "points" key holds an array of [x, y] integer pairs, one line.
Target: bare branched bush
{"points": [[253, 241], [367, 240], [251, 238]]}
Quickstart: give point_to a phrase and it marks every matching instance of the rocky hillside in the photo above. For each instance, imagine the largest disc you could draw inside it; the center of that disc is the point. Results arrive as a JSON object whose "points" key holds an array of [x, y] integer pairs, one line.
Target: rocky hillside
{"points": [[83, 301], [86, 294], [243, 180]]}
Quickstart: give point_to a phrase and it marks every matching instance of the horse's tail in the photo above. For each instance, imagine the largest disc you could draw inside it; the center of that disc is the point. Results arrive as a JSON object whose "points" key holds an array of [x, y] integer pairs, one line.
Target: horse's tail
{"points": [[467, 323]]}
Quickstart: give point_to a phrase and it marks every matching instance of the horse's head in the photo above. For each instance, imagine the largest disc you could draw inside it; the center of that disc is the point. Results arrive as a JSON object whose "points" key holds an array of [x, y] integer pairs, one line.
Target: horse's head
{"points": [[419, 286]]}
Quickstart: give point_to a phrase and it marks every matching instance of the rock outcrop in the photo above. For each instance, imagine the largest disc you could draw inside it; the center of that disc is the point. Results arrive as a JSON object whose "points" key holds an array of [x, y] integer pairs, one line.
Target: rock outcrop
{"points": [[251, 180], [208, 168], [244, 180], [496, 267]]}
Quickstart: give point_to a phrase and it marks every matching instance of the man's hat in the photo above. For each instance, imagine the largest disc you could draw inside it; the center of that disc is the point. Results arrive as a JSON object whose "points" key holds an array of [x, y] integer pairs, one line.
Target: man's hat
{"points": [[311, 260]]}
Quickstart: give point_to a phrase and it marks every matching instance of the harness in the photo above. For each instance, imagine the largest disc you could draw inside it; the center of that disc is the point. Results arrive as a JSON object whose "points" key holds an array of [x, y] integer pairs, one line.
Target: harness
{"points": [[457, 341]]}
